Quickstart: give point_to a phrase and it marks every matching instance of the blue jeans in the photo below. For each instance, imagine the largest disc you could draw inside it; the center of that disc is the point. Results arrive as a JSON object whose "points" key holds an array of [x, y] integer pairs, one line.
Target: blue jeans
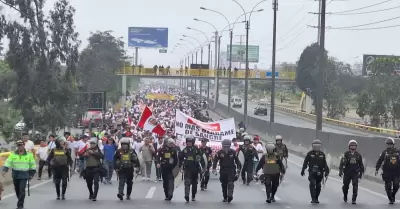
{"points": [[109, 166], [255, 164]]}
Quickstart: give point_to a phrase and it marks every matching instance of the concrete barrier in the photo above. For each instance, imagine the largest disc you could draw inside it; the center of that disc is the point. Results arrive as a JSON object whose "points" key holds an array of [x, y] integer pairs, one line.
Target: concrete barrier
{"points": [[333, 143]]}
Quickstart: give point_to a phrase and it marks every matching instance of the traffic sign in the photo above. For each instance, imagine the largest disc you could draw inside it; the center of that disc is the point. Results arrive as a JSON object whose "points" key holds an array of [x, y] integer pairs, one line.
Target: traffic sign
{"points": [[268, 74], [162, 51]]}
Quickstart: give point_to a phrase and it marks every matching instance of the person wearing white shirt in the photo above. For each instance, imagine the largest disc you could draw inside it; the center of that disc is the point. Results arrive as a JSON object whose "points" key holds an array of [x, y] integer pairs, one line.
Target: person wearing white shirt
{"points": [[29, 145], [52, 143], [42, 154], [260, 151]]}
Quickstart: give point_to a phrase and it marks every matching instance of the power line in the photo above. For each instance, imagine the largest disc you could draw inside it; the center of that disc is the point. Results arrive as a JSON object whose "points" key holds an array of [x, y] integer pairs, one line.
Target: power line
{"points": [[369, 12], [361, 8], [293, 41], [372, 23], [360, 29]]}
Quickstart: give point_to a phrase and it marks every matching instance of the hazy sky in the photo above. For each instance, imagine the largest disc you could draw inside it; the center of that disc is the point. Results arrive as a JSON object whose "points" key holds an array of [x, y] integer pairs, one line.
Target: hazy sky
{"points": [[293, 35]]}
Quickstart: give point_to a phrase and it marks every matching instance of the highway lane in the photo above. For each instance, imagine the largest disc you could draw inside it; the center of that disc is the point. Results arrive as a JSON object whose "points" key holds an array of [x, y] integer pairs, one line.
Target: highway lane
{"points": [[287, 119], [293, 193]]}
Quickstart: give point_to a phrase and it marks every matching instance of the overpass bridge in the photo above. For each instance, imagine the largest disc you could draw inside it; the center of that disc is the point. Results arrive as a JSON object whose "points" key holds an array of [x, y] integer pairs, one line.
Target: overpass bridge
{"points": [[204, 74]]}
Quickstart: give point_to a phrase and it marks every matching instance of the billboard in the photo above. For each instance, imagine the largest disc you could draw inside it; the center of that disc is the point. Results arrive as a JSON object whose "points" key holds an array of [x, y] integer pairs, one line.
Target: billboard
{"points": [[239, 53], [147, 37], [369, 59]]}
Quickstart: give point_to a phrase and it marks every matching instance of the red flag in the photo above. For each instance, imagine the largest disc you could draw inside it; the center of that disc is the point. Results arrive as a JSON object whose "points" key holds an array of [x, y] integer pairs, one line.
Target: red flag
{"points": [[149, 123]]}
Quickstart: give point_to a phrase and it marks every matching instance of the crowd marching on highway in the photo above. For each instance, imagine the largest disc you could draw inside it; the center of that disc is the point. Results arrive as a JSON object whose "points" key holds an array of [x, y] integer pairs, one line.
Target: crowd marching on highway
{"points": [[179, 139]]}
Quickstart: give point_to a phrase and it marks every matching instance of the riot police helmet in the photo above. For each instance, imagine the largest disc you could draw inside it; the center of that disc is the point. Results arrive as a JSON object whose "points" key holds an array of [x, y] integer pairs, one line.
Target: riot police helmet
{"points": [[60, 141], [270, 147], [353, 144], [170, 142], [93, 142], [247, 139], [244, 134], [241, 130], [390, 142], [278, 138], [316, 145]]}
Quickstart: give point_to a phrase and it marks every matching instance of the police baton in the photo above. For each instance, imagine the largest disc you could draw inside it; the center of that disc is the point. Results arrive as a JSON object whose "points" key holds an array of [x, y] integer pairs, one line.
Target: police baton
{"points": [[29, 187]]}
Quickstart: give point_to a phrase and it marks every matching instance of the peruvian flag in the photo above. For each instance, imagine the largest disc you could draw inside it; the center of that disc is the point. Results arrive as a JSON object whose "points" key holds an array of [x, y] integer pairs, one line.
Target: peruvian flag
{"points": [[149, 123]]}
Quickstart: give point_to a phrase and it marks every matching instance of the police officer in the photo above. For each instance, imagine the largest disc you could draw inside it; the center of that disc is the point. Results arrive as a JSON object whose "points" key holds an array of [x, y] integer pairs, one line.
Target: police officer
{"points": [[193, 164], [230, 167], [93, 157], [351, 168], [390, 160], [208, 153], [281, 149], [125, 162], [315, 160], [23, 166], [166, 160], [249, 153], [61, 163], [273, 167]]}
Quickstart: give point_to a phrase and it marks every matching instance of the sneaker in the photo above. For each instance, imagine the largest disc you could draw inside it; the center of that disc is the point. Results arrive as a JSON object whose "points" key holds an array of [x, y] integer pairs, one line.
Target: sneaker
{"points": [[144, 179]]}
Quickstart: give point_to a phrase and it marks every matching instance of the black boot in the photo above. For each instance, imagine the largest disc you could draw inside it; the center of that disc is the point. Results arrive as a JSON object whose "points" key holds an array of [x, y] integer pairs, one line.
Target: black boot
{"points": [[128, 197], [96, 190], [193, 198], [187, 198], [273, 198], [166, 195], [170, 197], [58, 191], [120, 196], [353, 199], [64, 190], [230, 199], [225, 199], [268, 197]]}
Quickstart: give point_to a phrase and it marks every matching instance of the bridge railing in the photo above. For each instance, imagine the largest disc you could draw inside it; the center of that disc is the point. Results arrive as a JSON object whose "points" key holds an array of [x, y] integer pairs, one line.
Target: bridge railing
{"points": [[259, 74]]}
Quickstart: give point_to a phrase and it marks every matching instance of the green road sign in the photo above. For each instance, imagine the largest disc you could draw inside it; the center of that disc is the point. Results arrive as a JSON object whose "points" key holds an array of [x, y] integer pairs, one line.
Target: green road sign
{"points": [[162, 51], [239, 53]]}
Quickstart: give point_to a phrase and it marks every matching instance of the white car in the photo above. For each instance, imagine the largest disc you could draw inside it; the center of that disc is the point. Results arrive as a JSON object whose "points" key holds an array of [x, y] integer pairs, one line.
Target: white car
{"points": [[20, 125]]}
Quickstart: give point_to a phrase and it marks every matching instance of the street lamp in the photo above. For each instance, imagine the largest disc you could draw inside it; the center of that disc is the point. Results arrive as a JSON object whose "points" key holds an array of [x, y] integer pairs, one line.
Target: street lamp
{"points": [[208, 41], [200, 45]]}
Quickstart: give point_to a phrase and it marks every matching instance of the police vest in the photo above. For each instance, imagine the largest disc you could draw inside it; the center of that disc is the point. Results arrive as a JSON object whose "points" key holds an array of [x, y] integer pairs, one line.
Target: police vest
{"points": [[126, 159], [60, 158], [391, 160], [271, 165]]}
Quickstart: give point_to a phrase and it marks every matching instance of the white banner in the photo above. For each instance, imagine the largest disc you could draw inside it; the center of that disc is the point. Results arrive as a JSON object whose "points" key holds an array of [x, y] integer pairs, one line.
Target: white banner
{"points": [[213, 131]]}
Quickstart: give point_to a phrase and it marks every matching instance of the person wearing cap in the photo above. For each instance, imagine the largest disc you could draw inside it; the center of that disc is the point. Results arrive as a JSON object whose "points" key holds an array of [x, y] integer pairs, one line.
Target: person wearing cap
{"points": [[23, 166], [390, 158], [42, 154], [318, 169]]}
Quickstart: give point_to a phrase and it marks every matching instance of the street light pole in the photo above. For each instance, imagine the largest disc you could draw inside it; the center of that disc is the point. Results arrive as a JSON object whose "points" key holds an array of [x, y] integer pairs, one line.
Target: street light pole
{"points": [[200, 71], [321, 73], [216, 83], [246, 80], [230, 71], [272, 113]]}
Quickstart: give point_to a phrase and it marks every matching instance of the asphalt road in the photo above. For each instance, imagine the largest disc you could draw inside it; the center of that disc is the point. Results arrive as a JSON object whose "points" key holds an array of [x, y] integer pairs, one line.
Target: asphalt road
{"points": [[287, 119], [293, 193]]}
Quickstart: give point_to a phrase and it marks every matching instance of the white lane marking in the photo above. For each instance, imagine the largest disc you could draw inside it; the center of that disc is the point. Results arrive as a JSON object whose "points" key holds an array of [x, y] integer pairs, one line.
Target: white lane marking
{"points": [[340, 180], [276, 197], [150, 193], [32, 187]]}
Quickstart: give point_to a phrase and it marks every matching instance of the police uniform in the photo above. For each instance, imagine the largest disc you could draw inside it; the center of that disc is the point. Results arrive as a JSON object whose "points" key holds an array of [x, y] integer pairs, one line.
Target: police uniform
{"points": [[249, 153], [61, 162], [206, 175], [281, 149], [23, 166], [92, 173], [351, 168], [390, 158], [273, 167], [315, 160], [230, 167], [193, 163], [166, 160], [125, 160]]}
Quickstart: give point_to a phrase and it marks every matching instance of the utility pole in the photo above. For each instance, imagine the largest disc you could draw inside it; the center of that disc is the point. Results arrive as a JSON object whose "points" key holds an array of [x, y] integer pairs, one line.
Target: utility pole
{"points": [[272, 113], [321, 73], [230, 70], [247, 71], [319, 20], [240, 43]]}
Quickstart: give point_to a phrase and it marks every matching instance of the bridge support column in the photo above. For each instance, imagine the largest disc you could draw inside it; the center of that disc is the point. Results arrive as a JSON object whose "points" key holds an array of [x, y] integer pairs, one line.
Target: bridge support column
{"points": [[200, 87], [208, 90]]}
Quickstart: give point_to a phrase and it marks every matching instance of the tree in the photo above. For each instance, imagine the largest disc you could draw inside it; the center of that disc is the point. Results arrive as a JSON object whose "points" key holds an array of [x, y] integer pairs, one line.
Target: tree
{"points": [[7, 80], [37, 50], [99, 62], [381, 99]]}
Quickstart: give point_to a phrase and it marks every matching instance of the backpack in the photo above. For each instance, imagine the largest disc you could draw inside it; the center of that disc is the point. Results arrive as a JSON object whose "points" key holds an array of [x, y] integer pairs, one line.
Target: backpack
{"points": [[60, 157]]}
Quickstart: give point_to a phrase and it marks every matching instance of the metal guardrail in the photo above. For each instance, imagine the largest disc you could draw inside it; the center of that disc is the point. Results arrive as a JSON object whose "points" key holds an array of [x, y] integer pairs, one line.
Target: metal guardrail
{"points": [[342, 123], [254, 74]]}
